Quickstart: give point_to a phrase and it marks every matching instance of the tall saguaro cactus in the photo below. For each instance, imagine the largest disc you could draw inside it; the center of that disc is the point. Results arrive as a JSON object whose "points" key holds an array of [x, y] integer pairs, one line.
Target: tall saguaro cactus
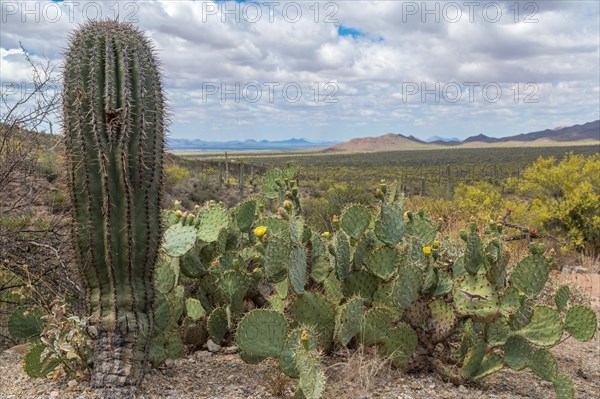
{"points": [[114, 126]]}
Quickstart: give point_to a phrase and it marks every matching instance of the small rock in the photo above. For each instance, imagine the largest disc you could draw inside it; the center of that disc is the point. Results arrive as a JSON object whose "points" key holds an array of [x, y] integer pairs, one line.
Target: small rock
{"points": [[230, 350], [72, 383], [580, 269], [462, 389], [212, 347], [54, 394], [201, 354]]}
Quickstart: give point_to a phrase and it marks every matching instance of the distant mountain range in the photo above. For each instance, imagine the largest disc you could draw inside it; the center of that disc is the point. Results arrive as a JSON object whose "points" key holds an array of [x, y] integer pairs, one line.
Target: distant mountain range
{"points": [[588, 133], [435, 139], [237, 145]]}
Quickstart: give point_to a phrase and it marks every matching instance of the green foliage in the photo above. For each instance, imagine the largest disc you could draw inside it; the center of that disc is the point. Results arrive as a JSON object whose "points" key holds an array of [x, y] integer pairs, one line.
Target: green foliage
{"points": [[581, 322], [399, 345], [355, 220], [348, 320], [25, 323], [39, 363], [262, 333], [517, 352]]}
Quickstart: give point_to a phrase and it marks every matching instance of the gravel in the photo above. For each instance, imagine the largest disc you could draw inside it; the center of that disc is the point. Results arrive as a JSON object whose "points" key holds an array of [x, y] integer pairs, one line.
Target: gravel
{"points": [[358, 376]]}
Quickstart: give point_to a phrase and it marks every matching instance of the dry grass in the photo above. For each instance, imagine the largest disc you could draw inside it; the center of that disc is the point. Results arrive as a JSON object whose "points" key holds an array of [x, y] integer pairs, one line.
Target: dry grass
{"points": [[361, 370]]}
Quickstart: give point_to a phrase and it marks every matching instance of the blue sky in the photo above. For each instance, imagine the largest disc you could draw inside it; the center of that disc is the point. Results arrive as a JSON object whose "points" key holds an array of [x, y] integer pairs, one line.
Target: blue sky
{"points": [[335, 70]]}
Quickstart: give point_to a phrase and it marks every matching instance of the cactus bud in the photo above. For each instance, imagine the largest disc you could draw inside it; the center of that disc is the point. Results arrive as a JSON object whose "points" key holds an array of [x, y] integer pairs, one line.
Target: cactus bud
{"points": [[260, 231], [287, 204], [178, 213], [304, 336], [436, 244], [289, 194], [379, 193]]}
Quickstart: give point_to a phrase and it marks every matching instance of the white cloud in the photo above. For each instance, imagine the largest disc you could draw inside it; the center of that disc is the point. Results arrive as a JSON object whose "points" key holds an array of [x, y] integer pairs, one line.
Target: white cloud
{"points": [[200, 45]]}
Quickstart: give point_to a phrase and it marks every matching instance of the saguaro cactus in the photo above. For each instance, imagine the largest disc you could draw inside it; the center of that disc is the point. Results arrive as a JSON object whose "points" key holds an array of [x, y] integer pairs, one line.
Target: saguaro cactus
{"points": [[113, 115]]}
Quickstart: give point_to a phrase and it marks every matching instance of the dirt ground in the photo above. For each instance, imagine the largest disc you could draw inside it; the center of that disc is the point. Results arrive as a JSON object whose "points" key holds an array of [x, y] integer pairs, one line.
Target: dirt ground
{"points": [[349, 376]]}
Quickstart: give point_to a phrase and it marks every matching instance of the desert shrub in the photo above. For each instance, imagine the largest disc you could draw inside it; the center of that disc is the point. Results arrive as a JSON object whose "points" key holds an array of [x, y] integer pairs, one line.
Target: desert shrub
{"points": [[319, 211], [176, 174], [564, 198], [481, 199]]}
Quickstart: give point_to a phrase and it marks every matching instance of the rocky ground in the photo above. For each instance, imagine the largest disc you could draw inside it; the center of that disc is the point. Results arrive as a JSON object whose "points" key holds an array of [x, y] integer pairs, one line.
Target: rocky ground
{"points": [[350, 376]]}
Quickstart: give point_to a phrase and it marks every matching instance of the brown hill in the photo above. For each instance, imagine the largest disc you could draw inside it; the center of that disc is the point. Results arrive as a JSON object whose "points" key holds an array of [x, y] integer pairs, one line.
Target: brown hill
{"points": [[387, 142]]}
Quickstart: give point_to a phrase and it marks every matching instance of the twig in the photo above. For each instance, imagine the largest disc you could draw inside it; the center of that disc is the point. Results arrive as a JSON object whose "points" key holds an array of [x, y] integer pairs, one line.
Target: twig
{"points": [[57, 254]]}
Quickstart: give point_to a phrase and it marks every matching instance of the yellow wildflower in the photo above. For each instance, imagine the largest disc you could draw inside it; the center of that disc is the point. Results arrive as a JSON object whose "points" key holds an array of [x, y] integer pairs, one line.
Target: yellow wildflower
{"points": [[260, 231], [427, 251], [325, 234]]}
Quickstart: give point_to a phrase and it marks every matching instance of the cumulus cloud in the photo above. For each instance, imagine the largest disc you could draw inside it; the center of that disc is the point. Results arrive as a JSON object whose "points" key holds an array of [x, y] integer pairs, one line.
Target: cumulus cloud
{"points": [[344, 69]]}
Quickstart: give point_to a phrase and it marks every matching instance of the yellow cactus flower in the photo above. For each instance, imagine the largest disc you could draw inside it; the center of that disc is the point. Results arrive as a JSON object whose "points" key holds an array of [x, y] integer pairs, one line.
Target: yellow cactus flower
{"points": [[325, 234], [427, 251], [260, 231], [178, 213], [436, 244], [304, 336], [335, 219]]}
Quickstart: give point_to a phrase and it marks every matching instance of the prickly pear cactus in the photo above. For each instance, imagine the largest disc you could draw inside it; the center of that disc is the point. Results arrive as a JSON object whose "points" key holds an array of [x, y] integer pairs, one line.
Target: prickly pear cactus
{"points": [[379, 278]]}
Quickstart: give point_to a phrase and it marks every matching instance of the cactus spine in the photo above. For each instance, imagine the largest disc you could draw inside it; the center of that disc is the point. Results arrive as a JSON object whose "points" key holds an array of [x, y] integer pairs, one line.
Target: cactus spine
{"points": [[113, 116]]}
